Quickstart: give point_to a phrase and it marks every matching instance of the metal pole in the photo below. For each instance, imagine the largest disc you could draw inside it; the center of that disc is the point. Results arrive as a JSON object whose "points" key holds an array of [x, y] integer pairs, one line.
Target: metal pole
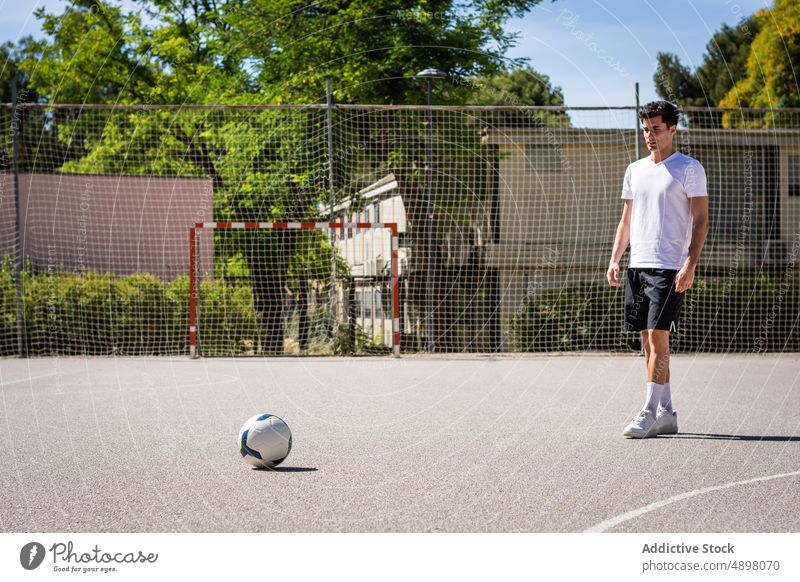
{"points": [[193, 292], [637, 132], [18, 258], [430, 243], [334, 292], [636, 124], [395, 286], [430, 344]]}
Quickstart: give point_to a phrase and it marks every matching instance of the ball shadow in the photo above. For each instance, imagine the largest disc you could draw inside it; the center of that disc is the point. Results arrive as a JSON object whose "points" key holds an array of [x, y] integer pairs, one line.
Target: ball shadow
{"points": [[280, 469]]}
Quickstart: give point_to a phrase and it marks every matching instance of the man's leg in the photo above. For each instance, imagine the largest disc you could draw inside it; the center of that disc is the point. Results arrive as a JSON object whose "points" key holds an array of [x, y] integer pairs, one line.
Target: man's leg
{"points": [[666, 392], [643, 426], [658, 358], [653, 343], [647, 352], [658, 377]]}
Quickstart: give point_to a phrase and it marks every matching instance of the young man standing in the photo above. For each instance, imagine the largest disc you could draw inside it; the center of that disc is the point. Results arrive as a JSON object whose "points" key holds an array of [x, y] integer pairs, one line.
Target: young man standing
{"points": [[665, 219]]}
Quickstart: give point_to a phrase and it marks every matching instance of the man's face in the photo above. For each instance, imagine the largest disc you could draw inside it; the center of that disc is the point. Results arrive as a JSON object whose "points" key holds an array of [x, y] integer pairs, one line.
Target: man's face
{"points": [[657, 135]]}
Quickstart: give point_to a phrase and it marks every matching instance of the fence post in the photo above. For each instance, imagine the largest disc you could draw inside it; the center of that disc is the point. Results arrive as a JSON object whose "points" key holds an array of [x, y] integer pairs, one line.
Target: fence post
{"points": [[638, 154], [636, 123], [16, 124], [334, 292], [193, 292], [430, 75]]}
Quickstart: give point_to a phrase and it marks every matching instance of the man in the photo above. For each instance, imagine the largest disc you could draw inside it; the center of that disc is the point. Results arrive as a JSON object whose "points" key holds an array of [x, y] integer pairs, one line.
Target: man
{"points": [[665, 219]]}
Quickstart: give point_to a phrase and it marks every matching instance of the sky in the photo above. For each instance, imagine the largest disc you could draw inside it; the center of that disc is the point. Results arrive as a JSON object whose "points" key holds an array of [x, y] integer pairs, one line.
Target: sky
{"points": [[597, 50], [594, 50]]}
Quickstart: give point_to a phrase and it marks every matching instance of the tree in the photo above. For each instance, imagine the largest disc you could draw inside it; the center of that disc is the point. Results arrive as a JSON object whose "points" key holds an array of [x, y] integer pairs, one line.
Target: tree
{"points": [[267, 164], [725, 60], [520, 86], [373, 48], [722, 66], [771, 74], [676, 82], [9, 71]]}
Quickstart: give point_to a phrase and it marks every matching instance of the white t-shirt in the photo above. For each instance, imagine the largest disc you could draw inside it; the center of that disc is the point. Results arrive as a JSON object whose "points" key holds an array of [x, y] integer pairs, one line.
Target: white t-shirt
{"points": [[661, 219]]}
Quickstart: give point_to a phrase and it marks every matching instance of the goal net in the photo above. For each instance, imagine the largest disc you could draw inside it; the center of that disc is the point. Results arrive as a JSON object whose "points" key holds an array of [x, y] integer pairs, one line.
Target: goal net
{"points": [[294, 288], [505, 223]]}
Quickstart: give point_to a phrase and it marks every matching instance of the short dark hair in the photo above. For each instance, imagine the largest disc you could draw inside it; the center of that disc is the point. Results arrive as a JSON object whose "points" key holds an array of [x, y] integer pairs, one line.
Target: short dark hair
{"points": [[668, 111]]}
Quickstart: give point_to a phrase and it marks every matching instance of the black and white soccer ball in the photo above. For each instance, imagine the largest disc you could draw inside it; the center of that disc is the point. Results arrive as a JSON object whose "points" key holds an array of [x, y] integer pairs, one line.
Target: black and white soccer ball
{"points": [[265, 441]]}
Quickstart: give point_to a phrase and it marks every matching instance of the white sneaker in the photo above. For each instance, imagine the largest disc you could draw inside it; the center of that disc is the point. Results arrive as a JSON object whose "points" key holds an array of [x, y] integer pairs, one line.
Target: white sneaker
{"points": [[641, 427], [666, 422]]}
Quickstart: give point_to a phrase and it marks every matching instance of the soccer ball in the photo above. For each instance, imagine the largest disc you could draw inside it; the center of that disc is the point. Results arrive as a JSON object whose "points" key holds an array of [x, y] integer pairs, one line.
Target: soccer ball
{"points": [[265, 441]]}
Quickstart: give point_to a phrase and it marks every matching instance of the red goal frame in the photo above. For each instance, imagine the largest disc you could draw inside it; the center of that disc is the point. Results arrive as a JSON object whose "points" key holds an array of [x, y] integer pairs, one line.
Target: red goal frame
{"points": [[395, 285]]}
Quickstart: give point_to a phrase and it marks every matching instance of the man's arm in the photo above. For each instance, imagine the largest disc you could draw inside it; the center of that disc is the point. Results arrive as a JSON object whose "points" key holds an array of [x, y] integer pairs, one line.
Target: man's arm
{"points": [[621, 240], [685, 277]]}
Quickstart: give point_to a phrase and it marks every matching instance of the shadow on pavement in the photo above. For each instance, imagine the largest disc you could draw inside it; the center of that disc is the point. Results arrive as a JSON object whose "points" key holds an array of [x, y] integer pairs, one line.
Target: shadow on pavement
{"points": [[285, 469], [732, 437]]}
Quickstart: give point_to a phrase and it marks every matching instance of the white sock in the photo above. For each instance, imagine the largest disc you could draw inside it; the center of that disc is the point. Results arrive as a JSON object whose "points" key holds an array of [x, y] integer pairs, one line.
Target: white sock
{"points": [[653, 397], [666, 398]]}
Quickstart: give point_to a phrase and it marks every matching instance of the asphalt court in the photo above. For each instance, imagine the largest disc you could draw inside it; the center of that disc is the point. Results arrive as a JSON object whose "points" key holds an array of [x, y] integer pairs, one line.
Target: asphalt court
{"points": [[417, 444]]}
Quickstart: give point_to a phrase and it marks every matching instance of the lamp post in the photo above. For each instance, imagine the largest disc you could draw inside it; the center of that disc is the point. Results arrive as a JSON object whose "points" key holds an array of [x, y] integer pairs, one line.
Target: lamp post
{"points": [[430, 75]]}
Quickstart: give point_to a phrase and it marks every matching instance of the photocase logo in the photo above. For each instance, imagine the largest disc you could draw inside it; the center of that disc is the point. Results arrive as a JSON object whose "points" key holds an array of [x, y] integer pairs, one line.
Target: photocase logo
{"points": [[31, 555]]}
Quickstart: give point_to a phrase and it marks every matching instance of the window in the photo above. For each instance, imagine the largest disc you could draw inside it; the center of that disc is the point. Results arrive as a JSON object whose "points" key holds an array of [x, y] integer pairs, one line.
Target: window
{"points": [[368, 303], [794, 174], [377, 212], [357, 303], [543, 158], [378, 304]]}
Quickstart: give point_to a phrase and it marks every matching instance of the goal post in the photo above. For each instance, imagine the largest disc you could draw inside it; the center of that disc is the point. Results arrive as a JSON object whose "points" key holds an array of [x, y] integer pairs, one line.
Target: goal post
{"points": [[277, 259]]}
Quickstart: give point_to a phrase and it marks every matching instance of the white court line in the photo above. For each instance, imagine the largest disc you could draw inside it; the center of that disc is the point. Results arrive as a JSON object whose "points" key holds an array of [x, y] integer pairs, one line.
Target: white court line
{"points": [[23, 380], [614, 521]]}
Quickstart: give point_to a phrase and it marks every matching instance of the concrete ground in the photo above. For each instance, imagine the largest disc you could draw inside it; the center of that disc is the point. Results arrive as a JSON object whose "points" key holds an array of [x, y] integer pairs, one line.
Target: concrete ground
{"points": [[419, 444]]}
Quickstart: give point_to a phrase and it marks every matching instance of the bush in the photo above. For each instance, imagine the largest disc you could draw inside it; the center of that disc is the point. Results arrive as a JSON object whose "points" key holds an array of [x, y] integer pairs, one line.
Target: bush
{"points": [[228, 324], [574, 318], [752, 313], [101, 314], [138, 314], [748, 313], [8, 308]]}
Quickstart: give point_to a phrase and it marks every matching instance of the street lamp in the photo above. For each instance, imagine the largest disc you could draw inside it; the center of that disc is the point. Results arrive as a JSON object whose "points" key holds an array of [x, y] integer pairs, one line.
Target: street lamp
{"points": [[430, 75]]}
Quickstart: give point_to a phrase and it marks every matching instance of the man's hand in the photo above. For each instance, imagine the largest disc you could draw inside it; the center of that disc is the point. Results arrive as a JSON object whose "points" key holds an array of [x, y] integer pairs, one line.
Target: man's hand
{"points": [[612, 275], [684, 278]]}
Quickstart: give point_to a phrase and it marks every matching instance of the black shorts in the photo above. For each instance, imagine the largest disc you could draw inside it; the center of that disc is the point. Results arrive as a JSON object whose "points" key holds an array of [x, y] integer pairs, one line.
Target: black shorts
{"points": [[651, 301]]}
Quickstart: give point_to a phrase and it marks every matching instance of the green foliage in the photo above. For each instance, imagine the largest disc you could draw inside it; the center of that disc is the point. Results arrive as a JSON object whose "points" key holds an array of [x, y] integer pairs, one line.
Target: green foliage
{"points": [[275, 51], [103, 314], [676, 82], [518, 87], [745, 313], [522, 86], [91, 39], [10, 56], [571, 318], [99, 53], [229, 324], [100, 314], [359, 42], [8, 306], [771, 71], [270, 165], [724, 63]]}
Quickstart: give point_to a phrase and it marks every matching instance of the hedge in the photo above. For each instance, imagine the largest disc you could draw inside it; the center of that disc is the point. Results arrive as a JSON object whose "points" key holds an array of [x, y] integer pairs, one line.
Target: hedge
{"points": [[746, 313], [104, 314]]}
